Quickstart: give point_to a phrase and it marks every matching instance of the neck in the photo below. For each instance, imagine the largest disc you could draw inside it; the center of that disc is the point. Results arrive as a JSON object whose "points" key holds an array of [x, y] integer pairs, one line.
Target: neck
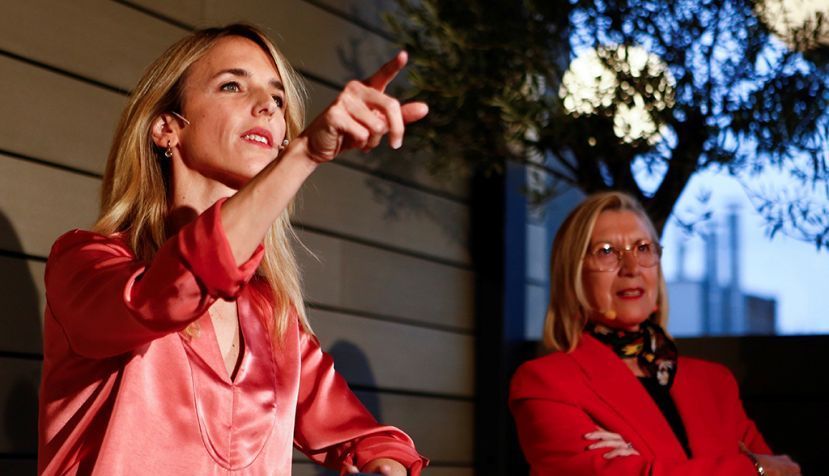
{"points": [[599, 318], [190, 195]]}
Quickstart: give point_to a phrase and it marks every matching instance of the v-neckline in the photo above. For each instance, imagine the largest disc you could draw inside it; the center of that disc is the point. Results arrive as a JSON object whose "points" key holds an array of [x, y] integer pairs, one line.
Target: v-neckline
{"points": [[237, 364], [212, 352], [235, 416]]}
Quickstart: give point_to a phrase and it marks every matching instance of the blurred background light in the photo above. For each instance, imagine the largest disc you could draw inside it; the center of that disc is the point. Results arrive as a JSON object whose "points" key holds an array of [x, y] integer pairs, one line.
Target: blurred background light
{"points": [[592, 86], [800, 24]]}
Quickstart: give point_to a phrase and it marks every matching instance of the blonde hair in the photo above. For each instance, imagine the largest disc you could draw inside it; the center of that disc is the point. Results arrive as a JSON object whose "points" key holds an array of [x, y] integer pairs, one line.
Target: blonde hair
{"points": [[567, 312], [135, 184]]}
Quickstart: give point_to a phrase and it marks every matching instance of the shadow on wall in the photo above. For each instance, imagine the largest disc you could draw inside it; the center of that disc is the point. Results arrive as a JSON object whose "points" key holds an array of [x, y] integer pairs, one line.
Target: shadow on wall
{"points": [[20, 354], [360, 59], [403, 202], [351, 362], [352, 58], [21, 316]]}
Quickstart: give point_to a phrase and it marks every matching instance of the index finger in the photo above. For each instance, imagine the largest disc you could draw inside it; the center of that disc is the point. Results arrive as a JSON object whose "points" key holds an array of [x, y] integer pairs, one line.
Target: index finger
{"points": [[387, 72]]}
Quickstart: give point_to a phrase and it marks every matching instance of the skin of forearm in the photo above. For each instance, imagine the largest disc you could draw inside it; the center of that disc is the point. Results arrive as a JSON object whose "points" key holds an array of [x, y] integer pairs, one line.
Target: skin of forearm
{"points": [[248, 214]]}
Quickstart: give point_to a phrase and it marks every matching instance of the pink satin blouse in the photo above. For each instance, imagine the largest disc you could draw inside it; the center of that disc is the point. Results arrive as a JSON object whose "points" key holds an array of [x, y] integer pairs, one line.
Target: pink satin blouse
{"points": [[124, 391]]}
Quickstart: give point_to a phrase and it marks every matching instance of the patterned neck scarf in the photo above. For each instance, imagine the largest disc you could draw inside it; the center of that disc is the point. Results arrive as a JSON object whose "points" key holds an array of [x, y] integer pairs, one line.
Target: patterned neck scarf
{"points": [[654, 351]]}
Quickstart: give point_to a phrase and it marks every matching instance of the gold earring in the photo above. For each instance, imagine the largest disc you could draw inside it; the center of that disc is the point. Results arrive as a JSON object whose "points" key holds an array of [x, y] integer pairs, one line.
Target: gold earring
{"points": [[169, 151]]}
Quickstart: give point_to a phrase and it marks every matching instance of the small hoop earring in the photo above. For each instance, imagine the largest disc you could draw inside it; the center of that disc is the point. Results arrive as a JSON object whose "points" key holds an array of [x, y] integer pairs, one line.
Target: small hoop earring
{"points": [[284, 144], [169, 151]]}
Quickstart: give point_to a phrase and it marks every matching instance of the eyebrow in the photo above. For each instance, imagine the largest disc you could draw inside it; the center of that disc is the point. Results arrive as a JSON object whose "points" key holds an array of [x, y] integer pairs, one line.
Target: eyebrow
{"points": [[275, 83]]}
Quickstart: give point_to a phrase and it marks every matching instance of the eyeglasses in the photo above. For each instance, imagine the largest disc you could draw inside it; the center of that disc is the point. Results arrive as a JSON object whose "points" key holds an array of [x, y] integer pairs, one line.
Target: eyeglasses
{"points": [[606, 257]]}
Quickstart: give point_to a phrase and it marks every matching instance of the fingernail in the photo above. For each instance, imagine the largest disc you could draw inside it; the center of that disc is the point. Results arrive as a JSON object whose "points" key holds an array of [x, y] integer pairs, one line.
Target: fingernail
{"points": [[397, 143]]}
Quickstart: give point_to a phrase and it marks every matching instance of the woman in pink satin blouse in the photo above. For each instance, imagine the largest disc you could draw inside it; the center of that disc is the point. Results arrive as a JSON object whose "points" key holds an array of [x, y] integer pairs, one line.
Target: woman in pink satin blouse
{"points": [[176, 340]]}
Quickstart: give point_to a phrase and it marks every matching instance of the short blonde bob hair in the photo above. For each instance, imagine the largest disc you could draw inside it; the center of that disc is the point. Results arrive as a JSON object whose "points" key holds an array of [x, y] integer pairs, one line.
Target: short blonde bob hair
{"points": [[567, 313], [134, 196]]}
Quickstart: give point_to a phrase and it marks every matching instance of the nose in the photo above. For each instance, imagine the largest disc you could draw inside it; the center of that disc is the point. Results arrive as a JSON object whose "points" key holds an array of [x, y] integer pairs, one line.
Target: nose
{"points": [[264, 104], [629, 263]]}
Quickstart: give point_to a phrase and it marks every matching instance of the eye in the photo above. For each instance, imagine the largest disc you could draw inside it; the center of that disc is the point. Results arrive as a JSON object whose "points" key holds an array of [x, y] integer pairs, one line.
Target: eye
{"points": [[280, 102], [644, 247], [230, 86], [604, 250]]}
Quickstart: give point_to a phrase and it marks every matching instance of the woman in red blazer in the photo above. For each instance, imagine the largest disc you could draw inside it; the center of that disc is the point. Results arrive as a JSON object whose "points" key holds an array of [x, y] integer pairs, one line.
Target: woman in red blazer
{"points": [[613, 397]]}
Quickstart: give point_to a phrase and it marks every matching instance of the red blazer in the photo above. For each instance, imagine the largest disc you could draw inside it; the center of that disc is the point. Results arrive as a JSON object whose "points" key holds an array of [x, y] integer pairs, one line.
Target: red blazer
{"points": [[559, 398]]}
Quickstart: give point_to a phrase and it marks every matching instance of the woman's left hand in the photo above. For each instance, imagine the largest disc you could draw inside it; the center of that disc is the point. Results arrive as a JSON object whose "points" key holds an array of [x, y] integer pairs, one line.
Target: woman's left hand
{"points": [[384, 466], [606, 439]]}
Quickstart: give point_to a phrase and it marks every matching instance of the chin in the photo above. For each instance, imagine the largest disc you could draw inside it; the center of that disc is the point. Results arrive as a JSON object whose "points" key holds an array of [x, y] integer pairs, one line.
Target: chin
{"points": [[631, 319], [628, 315], [621, 321]]}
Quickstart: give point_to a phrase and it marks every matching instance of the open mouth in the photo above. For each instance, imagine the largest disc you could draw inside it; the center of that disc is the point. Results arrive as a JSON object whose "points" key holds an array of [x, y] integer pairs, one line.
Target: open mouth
{"points": [[258, 136], [631, 293]]}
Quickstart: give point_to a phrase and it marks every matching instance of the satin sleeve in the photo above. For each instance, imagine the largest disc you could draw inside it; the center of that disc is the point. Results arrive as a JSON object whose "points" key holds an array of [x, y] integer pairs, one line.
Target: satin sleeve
{"points": [[107, 302], [551, 428], [333, 428]]}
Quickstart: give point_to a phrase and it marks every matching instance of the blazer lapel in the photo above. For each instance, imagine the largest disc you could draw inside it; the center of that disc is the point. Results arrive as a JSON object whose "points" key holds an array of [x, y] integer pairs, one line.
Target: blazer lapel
{"points": [[616, 385]]}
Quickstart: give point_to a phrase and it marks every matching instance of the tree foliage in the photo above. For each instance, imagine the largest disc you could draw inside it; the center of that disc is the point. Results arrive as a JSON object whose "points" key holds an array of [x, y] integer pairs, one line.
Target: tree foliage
{"points": [[721, 89]]}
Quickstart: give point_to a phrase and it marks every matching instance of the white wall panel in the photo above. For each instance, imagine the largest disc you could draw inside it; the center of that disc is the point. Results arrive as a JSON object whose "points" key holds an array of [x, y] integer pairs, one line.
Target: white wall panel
{"points": [[367, 208], [97, 39], [441, 429], [390, 355], [185, 11], [55, 118], [362, 278], [367, 12], [41, 203], [316, 41]]}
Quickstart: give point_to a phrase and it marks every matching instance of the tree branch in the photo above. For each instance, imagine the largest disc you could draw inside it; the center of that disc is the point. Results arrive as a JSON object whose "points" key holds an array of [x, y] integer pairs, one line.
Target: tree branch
{"points": [[691, 136]]}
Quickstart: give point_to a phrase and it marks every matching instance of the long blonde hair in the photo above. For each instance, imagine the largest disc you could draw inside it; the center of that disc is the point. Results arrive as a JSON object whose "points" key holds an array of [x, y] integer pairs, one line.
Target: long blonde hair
{"points": [[567, 313], [135, 184]]}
